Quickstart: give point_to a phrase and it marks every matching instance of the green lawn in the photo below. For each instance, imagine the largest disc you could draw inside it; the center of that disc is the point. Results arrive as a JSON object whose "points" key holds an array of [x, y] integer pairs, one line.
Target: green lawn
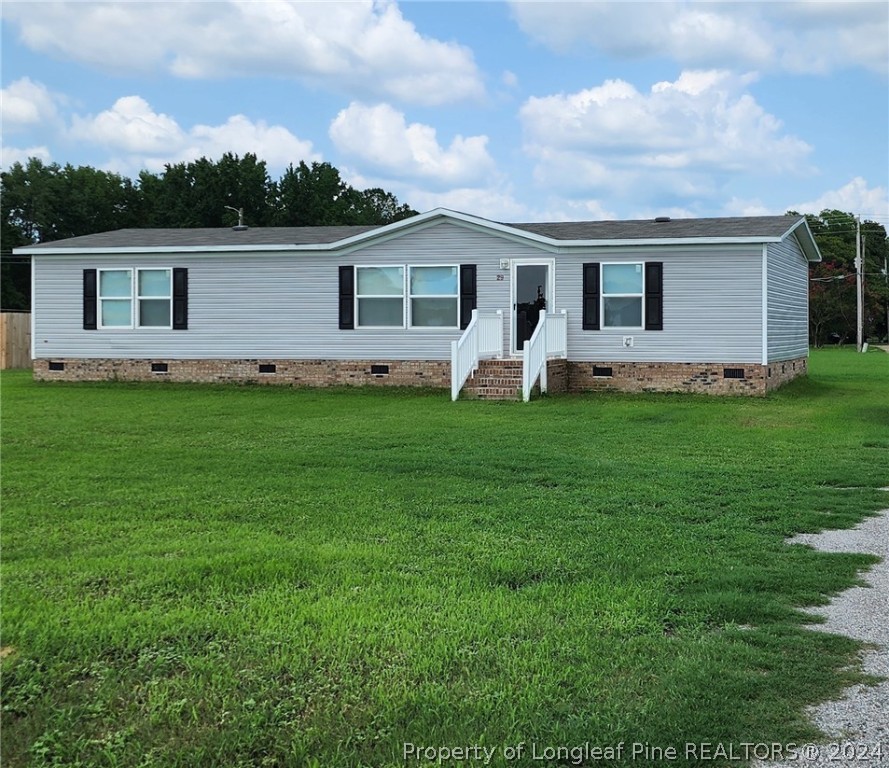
{"points": [[245, 576]]}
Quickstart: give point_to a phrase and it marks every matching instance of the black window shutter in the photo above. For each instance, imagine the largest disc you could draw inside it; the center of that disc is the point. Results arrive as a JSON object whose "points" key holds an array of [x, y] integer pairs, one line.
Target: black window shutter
{"points": [[347, 298], [90, 300], [591, 296], [180, 299], [468, 293], [654, 296]]}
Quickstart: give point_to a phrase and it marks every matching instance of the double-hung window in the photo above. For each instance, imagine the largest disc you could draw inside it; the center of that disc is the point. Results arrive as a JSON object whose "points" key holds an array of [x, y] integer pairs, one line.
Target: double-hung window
{"points": [[155, 297], [379, 292], [141, 298], [115, 298], [623, 288], [434, 297], [407, 296]]}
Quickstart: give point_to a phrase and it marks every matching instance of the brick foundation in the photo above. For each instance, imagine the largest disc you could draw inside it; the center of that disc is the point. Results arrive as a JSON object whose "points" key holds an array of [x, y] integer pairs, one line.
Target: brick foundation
{"points": [[300, 373], [556, 376], [563, 375], [710, 378]]}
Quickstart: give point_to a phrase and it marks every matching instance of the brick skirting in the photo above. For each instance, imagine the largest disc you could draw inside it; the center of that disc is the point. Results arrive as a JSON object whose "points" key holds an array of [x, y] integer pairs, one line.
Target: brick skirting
{"points": [[710, 378], [564, 375], [300, 373]]}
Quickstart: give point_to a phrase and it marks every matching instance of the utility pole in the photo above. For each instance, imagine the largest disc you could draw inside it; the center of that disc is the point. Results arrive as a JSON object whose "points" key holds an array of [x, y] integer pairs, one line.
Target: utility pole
{"points": [[886, 279], [859, 284]]}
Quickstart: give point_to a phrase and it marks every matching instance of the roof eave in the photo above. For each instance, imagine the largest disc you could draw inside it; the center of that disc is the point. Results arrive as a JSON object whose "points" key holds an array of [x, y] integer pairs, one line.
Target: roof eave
{"points": [[50, 251], [430, 218], [805, 238]]}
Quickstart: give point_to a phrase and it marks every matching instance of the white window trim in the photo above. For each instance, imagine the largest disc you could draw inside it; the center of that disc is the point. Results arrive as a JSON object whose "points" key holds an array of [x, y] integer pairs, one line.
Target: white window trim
{"points": [[380, 296], [134, 299], [409, 296], [604, 295], [406, 296], [138, 298], [100, 299]]}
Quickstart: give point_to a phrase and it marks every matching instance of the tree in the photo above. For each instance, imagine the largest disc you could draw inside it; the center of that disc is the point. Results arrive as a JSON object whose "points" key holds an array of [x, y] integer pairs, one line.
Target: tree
{"points": [[312, 196], [832, 303], [376, 206], [196, 194], [41, 203], [832, 294]]}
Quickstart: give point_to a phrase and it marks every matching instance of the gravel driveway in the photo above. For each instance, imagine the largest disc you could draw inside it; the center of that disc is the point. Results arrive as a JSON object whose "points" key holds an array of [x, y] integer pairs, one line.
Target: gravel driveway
{"points": [[856, 724]]}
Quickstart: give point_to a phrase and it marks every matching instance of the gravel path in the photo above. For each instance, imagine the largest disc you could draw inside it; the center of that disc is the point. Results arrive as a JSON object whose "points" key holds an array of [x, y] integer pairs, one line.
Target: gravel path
{"points": [[858, 722]]}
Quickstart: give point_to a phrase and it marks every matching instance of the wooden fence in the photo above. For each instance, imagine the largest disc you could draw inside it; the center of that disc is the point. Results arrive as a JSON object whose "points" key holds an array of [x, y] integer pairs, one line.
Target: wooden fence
{"points": [[15, 340]]}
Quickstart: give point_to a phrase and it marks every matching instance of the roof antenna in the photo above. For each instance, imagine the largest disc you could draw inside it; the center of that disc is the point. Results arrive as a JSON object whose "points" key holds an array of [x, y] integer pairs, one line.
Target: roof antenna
{"points": [[241, 226]]}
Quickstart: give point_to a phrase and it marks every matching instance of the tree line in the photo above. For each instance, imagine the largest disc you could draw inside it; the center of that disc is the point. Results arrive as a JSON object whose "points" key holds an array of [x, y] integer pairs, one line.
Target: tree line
{"points": [[44, 202]]}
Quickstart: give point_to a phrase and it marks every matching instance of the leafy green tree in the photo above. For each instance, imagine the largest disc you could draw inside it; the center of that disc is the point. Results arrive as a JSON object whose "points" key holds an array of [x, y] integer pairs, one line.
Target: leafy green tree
{"points": [[312, 196], [376, 206], [832, 295], [41, 203], [196, 194]]}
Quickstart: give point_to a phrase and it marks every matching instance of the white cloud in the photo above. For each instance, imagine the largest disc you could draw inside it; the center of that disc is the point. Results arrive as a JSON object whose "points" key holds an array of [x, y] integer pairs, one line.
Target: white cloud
{"points": [[494, 201], [137, 137], [25, 103], [794, 36], [854, 197], [700, 120], [494, 204], [131, 126], [739, 206], [11, 155], [360, 47], [272, 143], [381, 138], [681, 139]]}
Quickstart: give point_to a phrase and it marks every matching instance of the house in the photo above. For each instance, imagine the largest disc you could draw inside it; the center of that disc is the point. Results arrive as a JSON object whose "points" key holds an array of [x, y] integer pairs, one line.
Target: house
{"points": [[443, 299]]}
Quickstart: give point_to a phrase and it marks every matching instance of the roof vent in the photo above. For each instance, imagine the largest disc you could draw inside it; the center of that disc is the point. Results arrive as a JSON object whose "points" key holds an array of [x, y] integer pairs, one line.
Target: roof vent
{"points": [[240, 226], [661, 219]]}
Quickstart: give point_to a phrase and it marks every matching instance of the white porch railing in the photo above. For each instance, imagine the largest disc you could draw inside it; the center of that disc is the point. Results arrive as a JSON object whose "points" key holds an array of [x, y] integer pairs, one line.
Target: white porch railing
{"points": [[557, 334], [550, 339], [483, 338]]}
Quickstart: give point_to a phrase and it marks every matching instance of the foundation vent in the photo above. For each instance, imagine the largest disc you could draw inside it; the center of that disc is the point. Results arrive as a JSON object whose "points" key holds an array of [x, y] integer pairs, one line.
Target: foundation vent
{"points": [[733, 373]]}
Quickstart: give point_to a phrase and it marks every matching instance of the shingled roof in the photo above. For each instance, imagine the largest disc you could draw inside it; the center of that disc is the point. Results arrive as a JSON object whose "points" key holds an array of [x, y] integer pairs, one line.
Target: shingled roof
{"points": [[654, 229], [749, 229], [209, 237]]}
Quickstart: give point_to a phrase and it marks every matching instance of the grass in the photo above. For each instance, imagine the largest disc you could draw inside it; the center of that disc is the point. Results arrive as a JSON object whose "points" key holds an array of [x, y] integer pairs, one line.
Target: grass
{"points": [[245, 576]]}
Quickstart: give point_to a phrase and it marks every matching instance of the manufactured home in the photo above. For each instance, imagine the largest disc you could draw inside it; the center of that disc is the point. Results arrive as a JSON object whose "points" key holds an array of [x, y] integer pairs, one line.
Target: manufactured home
{"points": [[442, 299]]}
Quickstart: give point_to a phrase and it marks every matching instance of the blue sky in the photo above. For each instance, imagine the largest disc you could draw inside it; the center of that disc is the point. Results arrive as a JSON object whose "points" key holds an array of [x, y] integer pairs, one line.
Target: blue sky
{"points": [[515, 111]]}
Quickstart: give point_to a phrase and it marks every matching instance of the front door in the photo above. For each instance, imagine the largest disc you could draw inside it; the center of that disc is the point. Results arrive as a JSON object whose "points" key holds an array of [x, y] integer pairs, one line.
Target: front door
{"points": [[531, 294]]}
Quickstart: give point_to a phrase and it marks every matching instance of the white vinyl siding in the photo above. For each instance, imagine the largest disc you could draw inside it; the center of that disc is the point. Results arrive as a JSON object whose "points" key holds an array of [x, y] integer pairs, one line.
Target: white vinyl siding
{"points": [[261, 305], [712, 306], [269, 305], [788, 301]]}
